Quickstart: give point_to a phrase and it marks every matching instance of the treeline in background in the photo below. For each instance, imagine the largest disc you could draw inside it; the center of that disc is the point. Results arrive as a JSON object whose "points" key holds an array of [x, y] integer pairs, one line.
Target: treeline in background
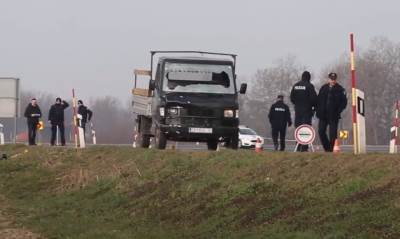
{"points": [[378, 73]]}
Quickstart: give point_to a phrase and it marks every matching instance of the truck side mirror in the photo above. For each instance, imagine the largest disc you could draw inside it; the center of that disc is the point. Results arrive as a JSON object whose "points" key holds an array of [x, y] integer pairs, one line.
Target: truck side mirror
{"points": [[152, 85], [243, 88]]}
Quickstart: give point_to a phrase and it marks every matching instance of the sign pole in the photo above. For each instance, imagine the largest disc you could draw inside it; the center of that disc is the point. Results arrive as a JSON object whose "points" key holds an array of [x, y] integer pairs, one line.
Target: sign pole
{"points": [[353, 93], [74, 118]]}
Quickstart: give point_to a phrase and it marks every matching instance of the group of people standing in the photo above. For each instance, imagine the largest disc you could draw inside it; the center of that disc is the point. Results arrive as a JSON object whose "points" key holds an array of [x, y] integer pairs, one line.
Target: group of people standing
{"points": [[55, 118], [328, 105]]}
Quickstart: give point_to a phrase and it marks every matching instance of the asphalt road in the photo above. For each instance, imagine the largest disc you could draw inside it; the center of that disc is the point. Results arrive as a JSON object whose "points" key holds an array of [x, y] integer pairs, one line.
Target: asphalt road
{"points": [[187, 146]]}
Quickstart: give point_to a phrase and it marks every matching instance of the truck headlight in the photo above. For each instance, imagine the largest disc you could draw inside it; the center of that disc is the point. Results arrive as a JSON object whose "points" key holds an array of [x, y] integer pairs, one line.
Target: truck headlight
{"points": [[162, 111], [237, 114], [174, 111], [228, 113]]}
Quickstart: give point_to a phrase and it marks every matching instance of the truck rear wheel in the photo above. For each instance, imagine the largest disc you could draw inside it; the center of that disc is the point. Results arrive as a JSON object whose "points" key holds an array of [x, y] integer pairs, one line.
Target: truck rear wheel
{"points": [[212, 144], [234, 143], [141, 130], [160, 139], [143, 140]]}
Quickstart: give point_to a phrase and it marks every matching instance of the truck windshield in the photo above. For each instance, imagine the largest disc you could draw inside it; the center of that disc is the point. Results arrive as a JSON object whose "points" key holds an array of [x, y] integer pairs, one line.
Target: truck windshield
{"points": [[198, 78]]}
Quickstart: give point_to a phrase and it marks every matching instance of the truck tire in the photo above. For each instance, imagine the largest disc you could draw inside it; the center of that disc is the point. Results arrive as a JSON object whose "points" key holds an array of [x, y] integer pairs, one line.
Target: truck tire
{"points": [[234, 143], [160, 139], [143, 139], [212, 144]]}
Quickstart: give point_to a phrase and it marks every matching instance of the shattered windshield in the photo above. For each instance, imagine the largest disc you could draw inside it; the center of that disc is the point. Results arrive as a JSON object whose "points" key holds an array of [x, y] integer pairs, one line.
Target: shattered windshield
{"points": [[198, 78]]}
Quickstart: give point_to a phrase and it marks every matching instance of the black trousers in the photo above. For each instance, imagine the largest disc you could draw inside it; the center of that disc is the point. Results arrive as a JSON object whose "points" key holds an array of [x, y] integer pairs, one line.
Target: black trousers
{"points": [[54, 133], [32, 127], [281, 133], [299, 120], [328, 143]]}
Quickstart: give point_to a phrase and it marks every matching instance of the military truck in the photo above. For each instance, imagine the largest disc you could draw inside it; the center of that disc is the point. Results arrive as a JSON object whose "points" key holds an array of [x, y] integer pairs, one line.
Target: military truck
{"points": [[192, 97]]}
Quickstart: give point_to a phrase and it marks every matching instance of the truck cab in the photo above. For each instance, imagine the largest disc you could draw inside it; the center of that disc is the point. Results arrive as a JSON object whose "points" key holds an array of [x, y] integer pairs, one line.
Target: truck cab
{"points": [[192, 99]]}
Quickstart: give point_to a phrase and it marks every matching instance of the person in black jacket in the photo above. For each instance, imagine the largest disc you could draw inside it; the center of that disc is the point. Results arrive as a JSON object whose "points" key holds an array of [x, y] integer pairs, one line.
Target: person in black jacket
{"points": [[304, 98], [332, 101], [85, 113], [279, 117], [56, 118], [32, 114]]}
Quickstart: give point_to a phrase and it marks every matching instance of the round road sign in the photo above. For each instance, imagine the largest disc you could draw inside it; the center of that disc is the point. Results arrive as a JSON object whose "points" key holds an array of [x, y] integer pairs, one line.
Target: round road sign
{"points": [[304, 134]]}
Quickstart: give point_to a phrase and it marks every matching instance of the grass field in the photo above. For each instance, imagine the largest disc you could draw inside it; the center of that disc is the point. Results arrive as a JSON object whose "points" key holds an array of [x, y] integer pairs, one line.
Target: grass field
{"points": [[120, 192]]}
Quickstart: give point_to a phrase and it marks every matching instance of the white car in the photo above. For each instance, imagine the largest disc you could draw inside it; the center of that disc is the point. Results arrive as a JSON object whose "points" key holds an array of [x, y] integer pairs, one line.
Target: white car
{"points": [[248, 137]]}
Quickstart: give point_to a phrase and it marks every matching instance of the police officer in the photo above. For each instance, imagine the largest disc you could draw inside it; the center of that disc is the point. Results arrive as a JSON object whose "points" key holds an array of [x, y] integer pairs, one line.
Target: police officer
{"points": [[56, 118], [304, 98], [85, 113], [32, 115], [279, 117], [332, 101]]}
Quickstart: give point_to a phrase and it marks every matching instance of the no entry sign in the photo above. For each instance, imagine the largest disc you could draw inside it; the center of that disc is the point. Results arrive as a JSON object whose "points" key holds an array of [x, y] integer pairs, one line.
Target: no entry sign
{"points": [[304, 134]]}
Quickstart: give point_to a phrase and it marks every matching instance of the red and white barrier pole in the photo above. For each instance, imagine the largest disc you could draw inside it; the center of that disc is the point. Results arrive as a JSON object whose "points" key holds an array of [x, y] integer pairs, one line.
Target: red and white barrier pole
{"points": [[353, 93], [394, 131]]}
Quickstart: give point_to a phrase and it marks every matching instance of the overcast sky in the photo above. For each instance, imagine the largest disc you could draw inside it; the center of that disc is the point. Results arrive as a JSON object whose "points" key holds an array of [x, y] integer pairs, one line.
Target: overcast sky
{"points": [[93, 45]]}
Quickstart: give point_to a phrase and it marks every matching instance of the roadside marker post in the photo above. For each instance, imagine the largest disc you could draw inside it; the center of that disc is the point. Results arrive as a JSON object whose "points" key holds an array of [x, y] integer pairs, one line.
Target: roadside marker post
{"points": [[358, 106], [94, 140], [1, 134], [394, 131], [74, 118]]}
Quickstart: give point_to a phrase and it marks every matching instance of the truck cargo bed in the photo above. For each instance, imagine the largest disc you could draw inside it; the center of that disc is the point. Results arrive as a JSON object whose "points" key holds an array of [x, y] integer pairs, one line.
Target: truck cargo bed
{"points": [[141, 105]]}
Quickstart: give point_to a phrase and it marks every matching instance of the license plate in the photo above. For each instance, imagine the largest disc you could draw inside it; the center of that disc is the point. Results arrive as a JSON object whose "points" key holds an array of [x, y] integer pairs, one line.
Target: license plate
{"points": [[200, 130]]}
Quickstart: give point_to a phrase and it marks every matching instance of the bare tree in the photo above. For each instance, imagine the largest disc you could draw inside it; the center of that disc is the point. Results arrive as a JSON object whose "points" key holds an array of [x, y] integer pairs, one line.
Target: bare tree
{"points": [[113, 121], [265, 86]]}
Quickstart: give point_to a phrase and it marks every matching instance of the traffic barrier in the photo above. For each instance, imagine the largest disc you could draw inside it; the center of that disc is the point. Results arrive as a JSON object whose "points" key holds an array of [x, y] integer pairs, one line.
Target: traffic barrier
{"points": [[336, 147], [258, 146]]}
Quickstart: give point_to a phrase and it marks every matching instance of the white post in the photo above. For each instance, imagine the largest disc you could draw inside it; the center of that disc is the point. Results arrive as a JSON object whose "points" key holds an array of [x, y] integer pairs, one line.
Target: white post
{"points": [[81, 133], [1, 134], [93, 133], [361, 137], [394, 131]]}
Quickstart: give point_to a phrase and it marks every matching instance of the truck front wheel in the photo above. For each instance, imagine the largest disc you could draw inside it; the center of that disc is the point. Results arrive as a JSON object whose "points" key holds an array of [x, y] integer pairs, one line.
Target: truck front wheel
{"points": [[160, 139]]}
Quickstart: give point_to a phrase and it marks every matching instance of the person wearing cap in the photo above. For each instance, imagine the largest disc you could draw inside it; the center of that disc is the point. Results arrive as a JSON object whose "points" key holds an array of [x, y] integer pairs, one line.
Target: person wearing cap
{"points": [[32, 115], [279, 117], [56, 119], [332, 101], [85, 113], [304, 98]]}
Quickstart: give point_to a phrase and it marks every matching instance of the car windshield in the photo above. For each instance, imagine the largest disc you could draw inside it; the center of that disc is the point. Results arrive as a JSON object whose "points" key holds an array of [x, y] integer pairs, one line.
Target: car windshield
{"points": [[198, 78], [247, 131]]}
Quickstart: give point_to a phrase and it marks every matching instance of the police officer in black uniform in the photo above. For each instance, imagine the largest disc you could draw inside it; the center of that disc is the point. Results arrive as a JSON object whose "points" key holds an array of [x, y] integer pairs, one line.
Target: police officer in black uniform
{"points": [[332, 101], [85, 113], [279, 117], [32, 114], [304, 98], [56, 118]]}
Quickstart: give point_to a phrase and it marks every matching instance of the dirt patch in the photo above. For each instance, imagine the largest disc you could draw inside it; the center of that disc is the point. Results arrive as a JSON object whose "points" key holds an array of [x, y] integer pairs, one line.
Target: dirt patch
{"points": [[9, 229], [373, 192]]}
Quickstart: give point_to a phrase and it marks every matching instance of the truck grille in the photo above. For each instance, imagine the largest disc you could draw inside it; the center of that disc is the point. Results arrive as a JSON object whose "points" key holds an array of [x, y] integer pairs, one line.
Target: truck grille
{"points": [[201, 112]]}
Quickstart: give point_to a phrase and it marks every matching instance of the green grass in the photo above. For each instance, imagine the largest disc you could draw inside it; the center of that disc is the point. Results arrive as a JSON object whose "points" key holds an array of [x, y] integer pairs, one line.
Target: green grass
{"points": [[119, 192]]}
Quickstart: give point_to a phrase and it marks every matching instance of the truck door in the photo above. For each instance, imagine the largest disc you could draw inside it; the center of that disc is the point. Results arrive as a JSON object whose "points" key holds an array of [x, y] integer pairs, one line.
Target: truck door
{"points": [[156, 94]]}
